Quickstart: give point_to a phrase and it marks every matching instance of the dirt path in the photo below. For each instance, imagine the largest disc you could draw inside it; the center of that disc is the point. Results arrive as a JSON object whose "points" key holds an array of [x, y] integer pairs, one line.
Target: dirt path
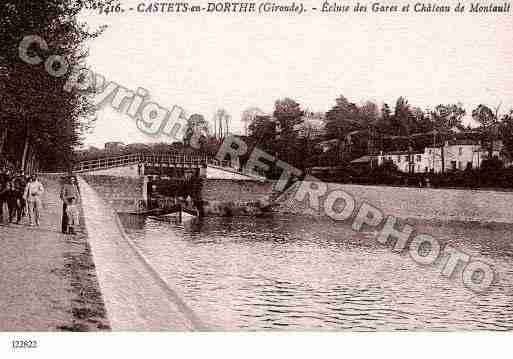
{"points": [[47, 279]]}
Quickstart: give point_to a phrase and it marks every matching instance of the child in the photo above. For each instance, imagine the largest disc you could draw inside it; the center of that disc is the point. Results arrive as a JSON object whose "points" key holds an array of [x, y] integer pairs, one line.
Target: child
{"points": [[73, 215]]}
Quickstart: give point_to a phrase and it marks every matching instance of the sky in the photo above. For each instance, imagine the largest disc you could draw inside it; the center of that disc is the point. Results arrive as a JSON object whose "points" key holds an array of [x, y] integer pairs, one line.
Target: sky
{"points": [[235, 61]]}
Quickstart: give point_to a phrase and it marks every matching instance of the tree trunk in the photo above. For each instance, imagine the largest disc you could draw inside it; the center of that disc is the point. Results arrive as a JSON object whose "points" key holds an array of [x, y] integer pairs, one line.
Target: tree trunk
{"points": [[443, 157], [32, 158], [25, 154], [3, 137], [491, 143], [29, 160]]}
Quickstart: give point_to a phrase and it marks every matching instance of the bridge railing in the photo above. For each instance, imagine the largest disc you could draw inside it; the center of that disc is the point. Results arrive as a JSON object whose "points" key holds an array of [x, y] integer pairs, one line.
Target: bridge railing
{"points": [[107, 162], [152, 158], [130, 159], [216, 162]]}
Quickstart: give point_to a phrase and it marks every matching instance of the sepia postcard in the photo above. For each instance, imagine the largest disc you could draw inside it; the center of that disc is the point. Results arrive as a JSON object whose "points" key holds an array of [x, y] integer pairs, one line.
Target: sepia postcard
{"points": [[286, 166]]}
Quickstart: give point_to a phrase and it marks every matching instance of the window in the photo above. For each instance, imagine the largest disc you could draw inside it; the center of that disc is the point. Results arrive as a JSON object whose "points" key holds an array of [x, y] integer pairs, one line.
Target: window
{"points": [[407, 158], [460, 151], [398, 159], [419, 158]]}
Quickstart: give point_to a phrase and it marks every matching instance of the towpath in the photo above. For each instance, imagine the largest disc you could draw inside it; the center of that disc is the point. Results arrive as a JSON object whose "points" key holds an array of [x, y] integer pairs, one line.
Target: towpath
{"points": [[42, 275]]}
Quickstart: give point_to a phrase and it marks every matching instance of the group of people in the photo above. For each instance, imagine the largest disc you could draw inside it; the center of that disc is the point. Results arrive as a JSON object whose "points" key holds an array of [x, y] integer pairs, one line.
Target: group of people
{"points": [[22, 195]]}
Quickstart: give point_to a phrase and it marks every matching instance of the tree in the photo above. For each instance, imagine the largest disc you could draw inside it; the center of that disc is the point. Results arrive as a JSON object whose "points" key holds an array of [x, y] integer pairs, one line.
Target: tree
{"points": [[40, 119], [447, 117], [383, 123], [133, 148], [248, 116], [402, 121], [506, 133], [423, 120], [368, 114], [488, 120], [161, 147], [221, 123], [197, 130], [288, 113], [262, 130], [341, 119]]}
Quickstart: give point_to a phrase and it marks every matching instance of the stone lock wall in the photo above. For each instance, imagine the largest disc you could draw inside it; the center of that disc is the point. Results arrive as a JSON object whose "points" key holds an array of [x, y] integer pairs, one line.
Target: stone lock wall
{"points": [[235, 190], [124, 194], [220, 196], [234, 197], [418, 203]]}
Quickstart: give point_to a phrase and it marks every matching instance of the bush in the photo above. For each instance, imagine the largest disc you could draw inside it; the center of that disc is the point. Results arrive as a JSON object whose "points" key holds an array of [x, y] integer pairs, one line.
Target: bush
{"points": [[492, 165], [492, 174], [386, 173]]}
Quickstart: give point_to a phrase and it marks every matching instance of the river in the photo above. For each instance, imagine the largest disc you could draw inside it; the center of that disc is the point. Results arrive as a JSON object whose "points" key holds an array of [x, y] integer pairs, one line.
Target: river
{"points": [[298, 273]]}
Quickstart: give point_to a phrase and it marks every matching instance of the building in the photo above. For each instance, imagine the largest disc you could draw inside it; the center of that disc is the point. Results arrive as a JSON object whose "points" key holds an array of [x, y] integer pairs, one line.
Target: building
{"points": [[457, 155], [114, 146], [312, 126], [405, 161]]}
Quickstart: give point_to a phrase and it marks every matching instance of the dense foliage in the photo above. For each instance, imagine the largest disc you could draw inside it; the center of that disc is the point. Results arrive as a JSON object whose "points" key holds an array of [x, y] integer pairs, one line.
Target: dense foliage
{"points": [[40, 122]]}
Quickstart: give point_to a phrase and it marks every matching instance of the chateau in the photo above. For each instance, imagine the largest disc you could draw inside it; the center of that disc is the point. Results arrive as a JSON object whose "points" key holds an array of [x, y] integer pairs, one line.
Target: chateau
{"points": [[453, 155]]}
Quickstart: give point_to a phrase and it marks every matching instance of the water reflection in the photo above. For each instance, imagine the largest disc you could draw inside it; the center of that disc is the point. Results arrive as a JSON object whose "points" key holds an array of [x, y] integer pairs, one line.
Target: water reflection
{"points": [[296, 273]]}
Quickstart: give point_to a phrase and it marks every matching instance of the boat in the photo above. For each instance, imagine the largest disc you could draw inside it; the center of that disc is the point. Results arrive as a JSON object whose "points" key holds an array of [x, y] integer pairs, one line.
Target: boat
{"points": [[173, 217]]}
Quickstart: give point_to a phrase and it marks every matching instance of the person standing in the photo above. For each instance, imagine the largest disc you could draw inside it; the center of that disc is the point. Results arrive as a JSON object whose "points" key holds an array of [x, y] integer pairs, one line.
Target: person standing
{"points": [[73, 214], [33, 192], [19, 184], [12, 200], [69, 196], [4, 191], [64, 217]]}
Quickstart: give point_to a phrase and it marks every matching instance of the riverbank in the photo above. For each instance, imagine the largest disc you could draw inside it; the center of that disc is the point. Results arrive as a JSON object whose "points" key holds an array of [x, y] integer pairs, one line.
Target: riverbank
{"points": [[434, 204], [136, 297], [48, 279]]}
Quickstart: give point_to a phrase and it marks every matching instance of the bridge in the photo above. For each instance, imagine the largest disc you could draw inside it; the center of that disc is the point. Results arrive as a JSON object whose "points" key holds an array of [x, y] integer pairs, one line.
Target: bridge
{"points": [[176, 165], [142, 182], [175, 160]]}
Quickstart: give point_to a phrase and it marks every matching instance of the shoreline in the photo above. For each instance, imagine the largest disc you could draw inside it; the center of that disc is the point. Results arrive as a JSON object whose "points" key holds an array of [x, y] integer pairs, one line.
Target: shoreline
{"points": [[135, 297], [413, 203], [413, 221]]}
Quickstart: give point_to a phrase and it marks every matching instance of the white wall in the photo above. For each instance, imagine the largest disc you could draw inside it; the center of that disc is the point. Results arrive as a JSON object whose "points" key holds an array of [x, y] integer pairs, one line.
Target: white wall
{"points": [[126, 171], [432, 158]]}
